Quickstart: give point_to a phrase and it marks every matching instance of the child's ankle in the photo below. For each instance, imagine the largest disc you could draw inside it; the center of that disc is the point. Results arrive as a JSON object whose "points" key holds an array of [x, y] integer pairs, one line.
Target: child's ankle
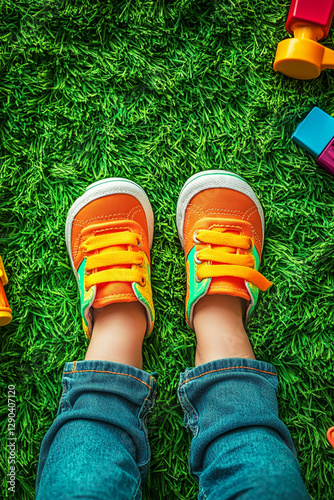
{"points": [[118, 333], [220, 332]]}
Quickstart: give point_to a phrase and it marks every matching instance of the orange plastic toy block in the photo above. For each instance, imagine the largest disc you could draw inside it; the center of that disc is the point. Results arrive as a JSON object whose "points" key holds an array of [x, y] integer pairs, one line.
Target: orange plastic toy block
{"points": [[5, 310], [302, 57], [330, 436]]}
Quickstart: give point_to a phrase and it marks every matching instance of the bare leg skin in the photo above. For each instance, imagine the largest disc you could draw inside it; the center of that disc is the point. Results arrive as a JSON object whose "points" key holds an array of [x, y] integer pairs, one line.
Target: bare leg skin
{"points": [[219, 329], [118, 334]]}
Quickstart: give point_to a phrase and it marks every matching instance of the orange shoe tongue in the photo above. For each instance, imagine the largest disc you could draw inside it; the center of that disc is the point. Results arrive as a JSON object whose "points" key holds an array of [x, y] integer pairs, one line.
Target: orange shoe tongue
{"points": [[116, 291], [109, 293], [229, 286]]}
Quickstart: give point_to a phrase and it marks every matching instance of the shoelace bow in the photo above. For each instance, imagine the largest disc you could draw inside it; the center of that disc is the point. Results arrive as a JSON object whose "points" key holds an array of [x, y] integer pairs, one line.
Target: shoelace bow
{"points": [[230, 263], [97, 261]]}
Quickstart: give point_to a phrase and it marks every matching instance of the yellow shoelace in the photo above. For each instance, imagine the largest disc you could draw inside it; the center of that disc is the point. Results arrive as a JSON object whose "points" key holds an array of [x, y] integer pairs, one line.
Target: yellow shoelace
{"points": [[112, 258], [230, 263]]}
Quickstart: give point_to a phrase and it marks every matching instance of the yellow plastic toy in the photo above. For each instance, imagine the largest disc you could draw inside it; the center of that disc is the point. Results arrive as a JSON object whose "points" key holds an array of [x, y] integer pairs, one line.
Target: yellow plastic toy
{"points": [[5, 310], [302, 57]]}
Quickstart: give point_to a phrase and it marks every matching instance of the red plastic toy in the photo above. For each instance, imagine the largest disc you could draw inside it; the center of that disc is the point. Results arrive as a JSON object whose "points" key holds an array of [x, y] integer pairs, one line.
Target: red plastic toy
{"points": [[302, 57], [310, 12]]}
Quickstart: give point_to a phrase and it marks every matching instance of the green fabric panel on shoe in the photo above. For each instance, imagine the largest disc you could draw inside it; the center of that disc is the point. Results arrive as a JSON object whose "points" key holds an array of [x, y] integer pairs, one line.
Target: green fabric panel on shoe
{"points": [[86, 297], [138, 290], [196, 288], [252, 289]]}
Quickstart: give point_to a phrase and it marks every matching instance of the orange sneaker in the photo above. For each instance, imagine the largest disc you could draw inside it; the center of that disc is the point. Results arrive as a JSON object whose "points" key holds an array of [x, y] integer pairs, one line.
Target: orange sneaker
{"points": [[109, 234], [220, 223]]}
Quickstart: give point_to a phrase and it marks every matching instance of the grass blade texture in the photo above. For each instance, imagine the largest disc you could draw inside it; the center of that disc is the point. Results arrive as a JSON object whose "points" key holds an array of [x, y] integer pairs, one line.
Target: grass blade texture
{"points": [[155, 91]]}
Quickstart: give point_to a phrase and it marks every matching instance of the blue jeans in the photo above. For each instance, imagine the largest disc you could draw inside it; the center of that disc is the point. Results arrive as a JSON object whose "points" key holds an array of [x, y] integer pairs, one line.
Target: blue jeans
{"points": [[97, 448]]}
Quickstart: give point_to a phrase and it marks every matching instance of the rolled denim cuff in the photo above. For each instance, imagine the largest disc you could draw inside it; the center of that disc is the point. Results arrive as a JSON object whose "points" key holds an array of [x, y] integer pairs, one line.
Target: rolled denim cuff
{"points": [[105, 392], [97, 367], [241, 365], [224, 396]]}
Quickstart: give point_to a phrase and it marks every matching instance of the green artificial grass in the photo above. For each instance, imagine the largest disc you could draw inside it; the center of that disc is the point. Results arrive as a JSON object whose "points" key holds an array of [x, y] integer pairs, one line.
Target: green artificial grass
{"points": [[155, 91]]}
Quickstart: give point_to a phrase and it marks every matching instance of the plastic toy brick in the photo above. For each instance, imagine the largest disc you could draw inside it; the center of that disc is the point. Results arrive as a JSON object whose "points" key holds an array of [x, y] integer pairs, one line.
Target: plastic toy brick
{"points": [[309, 12], [5, 310], [315, 134], [302, 57], [330, 436]]}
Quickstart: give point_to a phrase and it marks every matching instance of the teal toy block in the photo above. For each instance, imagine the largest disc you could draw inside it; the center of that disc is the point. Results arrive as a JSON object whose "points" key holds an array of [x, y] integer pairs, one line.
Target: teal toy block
{"points": [[316, 135], [315, 132]]}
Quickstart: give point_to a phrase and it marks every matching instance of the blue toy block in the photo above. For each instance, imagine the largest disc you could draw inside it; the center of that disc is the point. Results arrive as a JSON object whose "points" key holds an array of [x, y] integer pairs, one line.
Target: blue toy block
{"points": [[315, 132]]}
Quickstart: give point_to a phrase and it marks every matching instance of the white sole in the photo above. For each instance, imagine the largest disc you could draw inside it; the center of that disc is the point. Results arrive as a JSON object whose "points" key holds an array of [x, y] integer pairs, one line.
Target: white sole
{"points": [[211, 179], [106, 187]]}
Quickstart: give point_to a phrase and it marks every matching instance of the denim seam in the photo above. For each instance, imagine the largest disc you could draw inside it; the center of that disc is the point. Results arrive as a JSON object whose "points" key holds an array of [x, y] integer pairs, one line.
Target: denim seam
{"points": [[64, 393], [64, 402], [228, 368], [137, 490], [201, 491], [186, 405], [143, 468], [113, 373], [142, 413]]}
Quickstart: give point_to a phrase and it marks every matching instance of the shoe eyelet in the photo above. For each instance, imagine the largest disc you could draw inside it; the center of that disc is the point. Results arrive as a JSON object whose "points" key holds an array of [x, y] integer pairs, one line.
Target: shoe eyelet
{"points": [[197, 278], [143, 281], [139, 243], [251, 246], [195, 240], [196, 259]]}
